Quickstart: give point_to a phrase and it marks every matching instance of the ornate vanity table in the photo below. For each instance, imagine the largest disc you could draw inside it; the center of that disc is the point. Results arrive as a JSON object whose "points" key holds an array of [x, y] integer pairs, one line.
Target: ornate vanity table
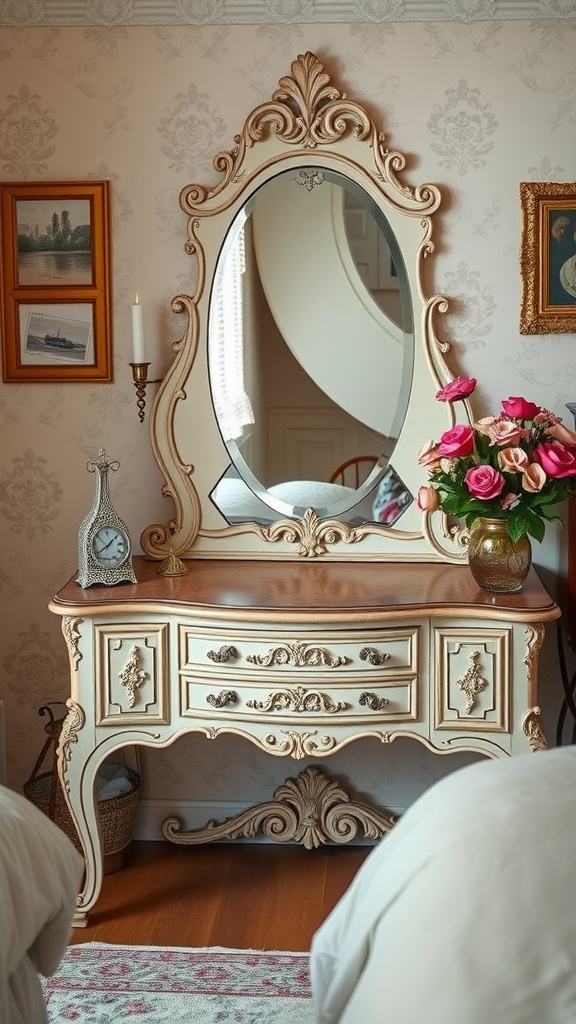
{"points": [[306, 615]]}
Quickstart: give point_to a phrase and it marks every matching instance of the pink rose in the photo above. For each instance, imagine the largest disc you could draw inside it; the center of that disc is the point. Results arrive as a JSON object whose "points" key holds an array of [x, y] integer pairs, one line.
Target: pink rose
{"points": [[484, 482], [533, 479], [461, 387], [556, 460], [509, 501], [427, 499], [457, 441], [520, 408], [513, 460], [560, 432], [428, 456], [500, 430]]}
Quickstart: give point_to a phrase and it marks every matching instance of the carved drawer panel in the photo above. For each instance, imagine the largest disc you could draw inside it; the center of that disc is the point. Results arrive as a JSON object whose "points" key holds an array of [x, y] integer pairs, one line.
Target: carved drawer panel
{"points": [[303, 701], [132, 674], [473, 685], [377, 653]]}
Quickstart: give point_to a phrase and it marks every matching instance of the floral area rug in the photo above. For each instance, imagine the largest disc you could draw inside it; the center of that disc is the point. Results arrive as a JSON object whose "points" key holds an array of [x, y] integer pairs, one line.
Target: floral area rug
{"points": [[106, 984]]}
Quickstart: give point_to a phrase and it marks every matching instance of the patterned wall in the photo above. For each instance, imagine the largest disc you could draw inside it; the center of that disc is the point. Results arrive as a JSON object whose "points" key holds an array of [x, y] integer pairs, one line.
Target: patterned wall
{"points": [[476, 107]]}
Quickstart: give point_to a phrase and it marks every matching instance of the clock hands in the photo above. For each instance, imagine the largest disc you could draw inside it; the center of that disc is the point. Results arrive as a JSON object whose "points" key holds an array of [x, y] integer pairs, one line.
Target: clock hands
{"points": [[106, 546]]}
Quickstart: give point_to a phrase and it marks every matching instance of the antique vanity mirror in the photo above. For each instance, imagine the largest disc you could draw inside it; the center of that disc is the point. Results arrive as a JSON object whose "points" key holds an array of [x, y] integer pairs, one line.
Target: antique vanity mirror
{"points": [[310, 342]]}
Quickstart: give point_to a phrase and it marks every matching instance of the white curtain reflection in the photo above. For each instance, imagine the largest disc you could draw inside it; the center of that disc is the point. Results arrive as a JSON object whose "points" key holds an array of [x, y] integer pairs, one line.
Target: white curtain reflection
{"points": [[233, 407]]}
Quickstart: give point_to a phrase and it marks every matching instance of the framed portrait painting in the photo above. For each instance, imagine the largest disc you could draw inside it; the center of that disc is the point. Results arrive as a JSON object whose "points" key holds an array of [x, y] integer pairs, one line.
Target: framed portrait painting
{"points": [[548, 257], [55, 281]]}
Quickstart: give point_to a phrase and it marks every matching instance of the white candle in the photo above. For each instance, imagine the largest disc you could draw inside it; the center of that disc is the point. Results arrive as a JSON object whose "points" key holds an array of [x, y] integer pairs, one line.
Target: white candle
{"points": [[138, 353]]}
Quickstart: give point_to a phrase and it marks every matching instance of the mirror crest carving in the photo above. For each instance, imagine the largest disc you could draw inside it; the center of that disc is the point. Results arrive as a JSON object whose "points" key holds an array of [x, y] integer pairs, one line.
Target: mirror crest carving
{"points": [[311, 136]]}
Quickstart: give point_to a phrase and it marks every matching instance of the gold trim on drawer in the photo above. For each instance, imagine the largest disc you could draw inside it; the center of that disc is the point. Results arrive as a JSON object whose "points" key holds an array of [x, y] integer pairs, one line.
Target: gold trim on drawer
{"points": [[132, 674], [472, 672]]}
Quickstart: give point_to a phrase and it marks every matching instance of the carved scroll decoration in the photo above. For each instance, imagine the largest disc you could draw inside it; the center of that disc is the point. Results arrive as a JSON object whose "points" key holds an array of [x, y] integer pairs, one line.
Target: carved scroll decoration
{"points": [[72, 636], [132, 676], [75, 721], [310, 809], [222, 699], [372, 701], [298, 699], [534, 639], [298, 655], [298, 744], [472, 682], [225, 653], [373, 655], [533, 730]]}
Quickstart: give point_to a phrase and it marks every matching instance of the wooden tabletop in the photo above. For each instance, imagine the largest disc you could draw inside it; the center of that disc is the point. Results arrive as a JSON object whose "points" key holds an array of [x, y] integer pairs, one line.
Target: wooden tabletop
{"points": [[310, 591]]}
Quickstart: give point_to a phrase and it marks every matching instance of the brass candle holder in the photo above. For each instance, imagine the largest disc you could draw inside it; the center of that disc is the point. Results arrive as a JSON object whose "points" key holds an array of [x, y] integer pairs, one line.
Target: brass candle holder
{"points": [[141, 382]]}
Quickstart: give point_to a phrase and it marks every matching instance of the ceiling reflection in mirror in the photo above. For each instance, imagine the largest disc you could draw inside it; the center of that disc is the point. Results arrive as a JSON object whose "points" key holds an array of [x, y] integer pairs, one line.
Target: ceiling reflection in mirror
{"points": [[310, 349]]}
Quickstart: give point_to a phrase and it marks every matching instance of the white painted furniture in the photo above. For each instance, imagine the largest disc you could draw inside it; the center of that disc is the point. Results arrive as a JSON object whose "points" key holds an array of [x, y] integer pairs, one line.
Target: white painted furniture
{"points": [[304, 621], [301, 659]]}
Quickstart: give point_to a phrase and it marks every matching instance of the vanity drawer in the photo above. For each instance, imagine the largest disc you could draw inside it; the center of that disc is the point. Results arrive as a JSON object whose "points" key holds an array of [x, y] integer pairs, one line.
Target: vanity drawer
{"points": [[300, 701], [367, 653], [472, 668], [132, 673]]}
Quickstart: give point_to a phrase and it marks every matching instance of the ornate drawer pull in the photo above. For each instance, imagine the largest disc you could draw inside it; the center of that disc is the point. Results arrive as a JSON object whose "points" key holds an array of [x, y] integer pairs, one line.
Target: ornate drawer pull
{"points": [[298, 699], [373, 655], [226, 653], [222, 699], [373, 702], [298, 655]]}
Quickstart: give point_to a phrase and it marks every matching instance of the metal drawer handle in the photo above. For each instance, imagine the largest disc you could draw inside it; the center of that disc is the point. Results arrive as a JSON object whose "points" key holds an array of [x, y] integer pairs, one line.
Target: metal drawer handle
{"points": [[372, 701], [226, 653], [373, 655], [222, 699]]}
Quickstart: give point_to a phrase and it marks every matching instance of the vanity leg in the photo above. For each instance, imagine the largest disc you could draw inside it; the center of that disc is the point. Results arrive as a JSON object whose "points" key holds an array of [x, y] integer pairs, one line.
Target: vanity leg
{"points": [[77, 773]]}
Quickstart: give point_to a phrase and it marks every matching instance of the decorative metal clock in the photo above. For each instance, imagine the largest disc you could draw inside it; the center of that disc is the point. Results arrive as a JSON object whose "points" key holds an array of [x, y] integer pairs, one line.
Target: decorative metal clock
{"points": [[103, 539]]}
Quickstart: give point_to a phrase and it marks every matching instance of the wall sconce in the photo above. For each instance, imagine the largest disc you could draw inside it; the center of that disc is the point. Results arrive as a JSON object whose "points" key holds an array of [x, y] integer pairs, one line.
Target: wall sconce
{"points": [[141, 382]]}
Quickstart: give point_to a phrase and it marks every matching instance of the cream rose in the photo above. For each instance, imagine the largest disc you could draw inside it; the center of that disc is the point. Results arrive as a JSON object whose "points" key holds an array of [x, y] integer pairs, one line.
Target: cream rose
{"points": [[533, 478], [513, 460]]}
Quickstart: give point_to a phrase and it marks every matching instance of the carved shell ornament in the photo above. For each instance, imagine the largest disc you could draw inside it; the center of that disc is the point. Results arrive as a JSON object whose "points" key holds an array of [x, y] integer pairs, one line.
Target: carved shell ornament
{"points": [[311, 809]]}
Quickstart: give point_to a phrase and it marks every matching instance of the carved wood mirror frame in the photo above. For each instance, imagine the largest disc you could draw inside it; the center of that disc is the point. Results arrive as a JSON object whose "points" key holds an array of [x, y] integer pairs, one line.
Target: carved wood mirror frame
{"points": [[307, 122]]}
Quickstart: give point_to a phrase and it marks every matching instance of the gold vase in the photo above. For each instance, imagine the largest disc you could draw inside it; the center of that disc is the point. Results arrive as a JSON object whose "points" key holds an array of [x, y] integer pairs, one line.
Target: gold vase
{"points": [[498, 563]]}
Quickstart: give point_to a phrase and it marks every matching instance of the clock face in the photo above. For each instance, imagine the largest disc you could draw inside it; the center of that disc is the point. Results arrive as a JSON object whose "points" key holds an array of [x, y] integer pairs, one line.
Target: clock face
{"points": [[110, 546]]}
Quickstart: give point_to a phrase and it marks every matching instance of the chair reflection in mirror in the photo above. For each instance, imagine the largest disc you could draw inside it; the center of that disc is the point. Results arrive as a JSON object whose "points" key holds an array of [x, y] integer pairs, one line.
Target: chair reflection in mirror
{"points": [[354, 472]]}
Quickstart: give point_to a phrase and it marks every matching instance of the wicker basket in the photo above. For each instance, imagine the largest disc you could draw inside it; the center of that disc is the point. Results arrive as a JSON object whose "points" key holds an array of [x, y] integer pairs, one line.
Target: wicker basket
{"points": [[43, 789], [116, 815]]}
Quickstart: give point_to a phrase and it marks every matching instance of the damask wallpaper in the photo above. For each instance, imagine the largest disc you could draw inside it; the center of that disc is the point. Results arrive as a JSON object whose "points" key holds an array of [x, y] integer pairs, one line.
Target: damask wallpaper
{"points": [[477, 107]]}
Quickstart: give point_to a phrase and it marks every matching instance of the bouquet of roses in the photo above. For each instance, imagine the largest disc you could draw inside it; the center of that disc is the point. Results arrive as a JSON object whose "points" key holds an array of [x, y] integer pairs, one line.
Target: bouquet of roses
{"points": [[516, 466]]}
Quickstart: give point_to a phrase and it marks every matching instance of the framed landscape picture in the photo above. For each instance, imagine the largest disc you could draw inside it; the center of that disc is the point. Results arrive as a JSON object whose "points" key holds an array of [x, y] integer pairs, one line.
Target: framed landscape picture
{"points": [[548, 257], [55, 281]]}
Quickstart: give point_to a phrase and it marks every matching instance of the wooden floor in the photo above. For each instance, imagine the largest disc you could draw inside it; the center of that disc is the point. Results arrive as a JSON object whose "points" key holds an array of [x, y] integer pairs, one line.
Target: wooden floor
{"points": [[258, 896]]}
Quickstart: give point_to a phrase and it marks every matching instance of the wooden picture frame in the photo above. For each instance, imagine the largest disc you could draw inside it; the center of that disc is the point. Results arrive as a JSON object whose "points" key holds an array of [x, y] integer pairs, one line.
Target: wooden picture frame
{"points": [[548, 257], [55, 281]]}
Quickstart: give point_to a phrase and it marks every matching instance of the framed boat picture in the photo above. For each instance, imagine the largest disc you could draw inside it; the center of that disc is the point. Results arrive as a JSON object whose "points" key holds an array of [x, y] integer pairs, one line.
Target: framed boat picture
{"points": [[55, 281]]}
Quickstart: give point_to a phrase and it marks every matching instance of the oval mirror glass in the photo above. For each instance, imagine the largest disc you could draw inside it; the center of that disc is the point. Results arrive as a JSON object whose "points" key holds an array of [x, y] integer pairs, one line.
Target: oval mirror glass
{"points": [[310, 350]]}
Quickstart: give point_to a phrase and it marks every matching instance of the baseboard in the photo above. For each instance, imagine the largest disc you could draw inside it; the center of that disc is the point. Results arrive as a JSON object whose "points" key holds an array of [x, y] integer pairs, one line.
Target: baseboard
{"points": [[196, 813]]}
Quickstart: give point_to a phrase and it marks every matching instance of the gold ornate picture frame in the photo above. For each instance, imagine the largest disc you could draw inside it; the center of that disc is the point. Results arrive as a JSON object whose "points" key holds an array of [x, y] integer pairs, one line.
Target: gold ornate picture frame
{"points": [[548, 257], [55, 281]]}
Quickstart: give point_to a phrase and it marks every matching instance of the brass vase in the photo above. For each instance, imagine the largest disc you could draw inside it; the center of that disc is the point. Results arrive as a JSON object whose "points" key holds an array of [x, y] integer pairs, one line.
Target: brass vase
{"points": [[498, 563]]}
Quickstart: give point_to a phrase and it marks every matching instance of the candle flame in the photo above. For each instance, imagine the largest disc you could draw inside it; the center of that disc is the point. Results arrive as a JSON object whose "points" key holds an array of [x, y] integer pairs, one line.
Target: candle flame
{"points": [[137, 299]]}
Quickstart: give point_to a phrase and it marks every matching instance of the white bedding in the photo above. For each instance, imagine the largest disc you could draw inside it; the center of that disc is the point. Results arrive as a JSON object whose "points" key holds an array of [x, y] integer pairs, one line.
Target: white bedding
{"points": [[40, 874], [466, 912]]}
